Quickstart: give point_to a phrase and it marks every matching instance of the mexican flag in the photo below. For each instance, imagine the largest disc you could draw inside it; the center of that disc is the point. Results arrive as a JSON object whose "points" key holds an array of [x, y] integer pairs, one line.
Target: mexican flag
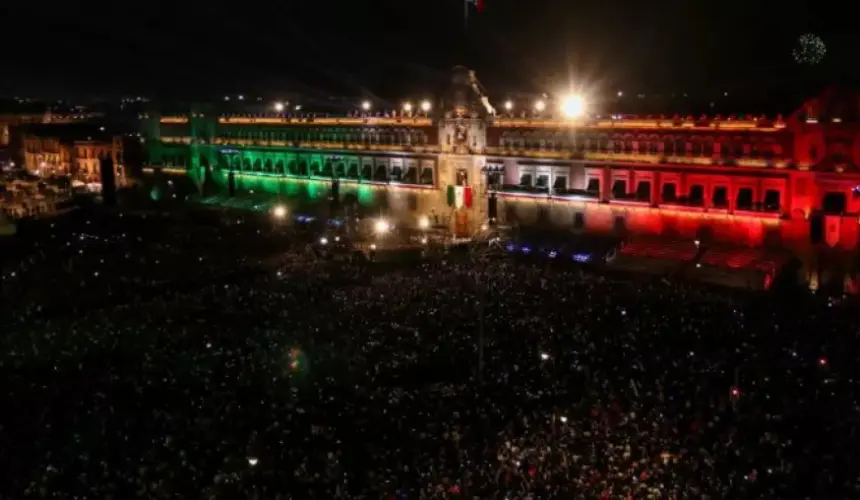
{"points": [[459, 196]]}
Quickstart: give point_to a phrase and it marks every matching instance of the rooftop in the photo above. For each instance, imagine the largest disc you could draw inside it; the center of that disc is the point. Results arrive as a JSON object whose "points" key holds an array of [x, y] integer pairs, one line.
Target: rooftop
{"points": [[71, 132]]}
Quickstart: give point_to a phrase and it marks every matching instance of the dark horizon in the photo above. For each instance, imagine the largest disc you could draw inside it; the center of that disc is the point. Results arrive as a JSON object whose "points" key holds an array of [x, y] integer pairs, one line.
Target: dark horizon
{"points": [[394, 50]]}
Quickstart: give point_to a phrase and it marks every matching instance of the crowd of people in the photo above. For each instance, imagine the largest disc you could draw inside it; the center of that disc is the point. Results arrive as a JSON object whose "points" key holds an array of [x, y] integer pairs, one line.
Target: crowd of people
{"points": [[144, 357]]}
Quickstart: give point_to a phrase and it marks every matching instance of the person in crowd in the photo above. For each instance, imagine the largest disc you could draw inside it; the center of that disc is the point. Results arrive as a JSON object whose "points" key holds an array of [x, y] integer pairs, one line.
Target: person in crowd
{"points": [[146, 359]]}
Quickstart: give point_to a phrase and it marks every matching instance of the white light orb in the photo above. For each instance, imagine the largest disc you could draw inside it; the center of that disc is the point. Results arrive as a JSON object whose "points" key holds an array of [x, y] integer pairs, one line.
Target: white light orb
{"points": [[280, 211], [540, 105], [425, 105], [279, 107], [573, 106], [382, 226]]}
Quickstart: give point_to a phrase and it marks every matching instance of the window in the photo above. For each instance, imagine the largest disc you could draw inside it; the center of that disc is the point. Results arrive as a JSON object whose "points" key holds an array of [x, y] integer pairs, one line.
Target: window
{"points": [[669, 192], [352, 171], [593, 186], [560, 182], [745, 199], [697, 195], [834, 203], [643, 191], [411, 175], [771, 200], [720, 198], [619, 189], [494, 178], [427, 176], [542, 181], [381, 173], [526, 180], [396, 173]]}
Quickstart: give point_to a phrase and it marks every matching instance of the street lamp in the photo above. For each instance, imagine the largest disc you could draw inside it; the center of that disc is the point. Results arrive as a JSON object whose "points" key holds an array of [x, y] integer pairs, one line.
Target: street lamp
{"points": [[425, 105], [509, 105], [381, 227], [365, 105], [540, 105], [279, 212], [424, 222], [573, 106], [279, 107], [407, 107]]}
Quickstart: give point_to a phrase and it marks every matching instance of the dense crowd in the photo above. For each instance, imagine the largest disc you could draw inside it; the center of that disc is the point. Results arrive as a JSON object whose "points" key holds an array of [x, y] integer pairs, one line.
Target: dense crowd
{"points": [[166, 360]]}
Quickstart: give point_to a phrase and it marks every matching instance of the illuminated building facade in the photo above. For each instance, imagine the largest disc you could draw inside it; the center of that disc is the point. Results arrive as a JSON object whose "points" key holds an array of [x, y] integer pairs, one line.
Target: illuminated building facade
{"points": [[760, 182], [9, 121], [74, 150]]}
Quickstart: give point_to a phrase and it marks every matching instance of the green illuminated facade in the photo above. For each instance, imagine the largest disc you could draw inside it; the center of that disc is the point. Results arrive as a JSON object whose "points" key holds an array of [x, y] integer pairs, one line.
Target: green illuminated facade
{"points": [[395, 165]]}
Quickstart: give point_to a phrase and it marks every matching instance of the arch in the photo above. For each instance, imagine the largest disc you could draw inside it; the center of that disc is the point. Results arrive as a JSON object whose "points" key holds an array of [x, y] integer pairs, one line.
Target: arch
{"points": [[258, 165], [268, 166], [245, 164], [279, 166]]}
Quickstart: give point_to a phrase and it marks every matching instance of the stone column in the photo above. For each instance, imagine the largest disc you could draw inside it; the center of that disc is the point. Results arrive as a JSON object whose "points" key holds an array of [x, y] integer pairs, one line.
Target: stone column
{"points": [[656, 192], [605, 183], [732, 194]]}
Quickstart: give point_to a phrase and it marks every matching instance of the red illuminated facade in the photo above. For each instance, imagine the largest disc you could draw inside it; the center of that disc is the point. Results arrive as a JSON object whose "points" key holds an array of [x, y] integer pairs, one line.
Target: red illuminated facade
{"points": [[750, 181]]}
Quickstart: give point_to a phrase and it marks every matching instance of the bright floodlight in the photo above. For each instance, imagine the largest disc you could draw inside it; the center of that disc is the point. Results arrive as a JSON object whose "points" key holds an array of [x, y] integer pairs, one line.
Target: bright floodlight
{"points": [[382, 226], [279, 106], [323, 241], [424, 222], [425, 105], [540, 105], [280, 211], [365, 105], [573, 106], [407, 106], [509, 105]]}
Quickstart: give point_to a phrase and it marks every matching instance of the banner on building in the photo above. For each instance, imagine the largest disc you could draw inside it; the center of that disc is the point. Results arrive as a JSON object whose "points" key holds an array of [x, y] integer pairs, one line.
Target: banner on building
{"points": [[832, 229], [459, 196]]}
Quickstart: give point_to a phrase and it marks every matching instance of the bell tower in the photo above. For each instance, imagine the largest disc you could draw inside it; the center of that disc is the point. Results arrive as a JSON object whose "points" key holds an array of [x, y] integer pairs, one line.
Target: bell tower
{"points": [[463, 140]]}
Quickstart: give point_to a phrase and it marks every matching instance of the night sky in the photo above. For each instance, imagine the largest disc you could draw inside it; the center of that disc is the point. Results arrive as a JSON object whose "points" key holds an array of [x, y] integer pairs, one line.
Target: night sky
{"points": [[404, 48]]}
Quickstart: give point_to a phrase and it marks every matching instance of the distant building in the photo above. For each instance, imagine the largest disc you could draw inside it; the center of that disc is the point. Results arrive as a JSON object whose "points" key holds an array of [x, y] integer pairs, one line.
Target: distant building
{"points": [[73, 150], [9, 121]]}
